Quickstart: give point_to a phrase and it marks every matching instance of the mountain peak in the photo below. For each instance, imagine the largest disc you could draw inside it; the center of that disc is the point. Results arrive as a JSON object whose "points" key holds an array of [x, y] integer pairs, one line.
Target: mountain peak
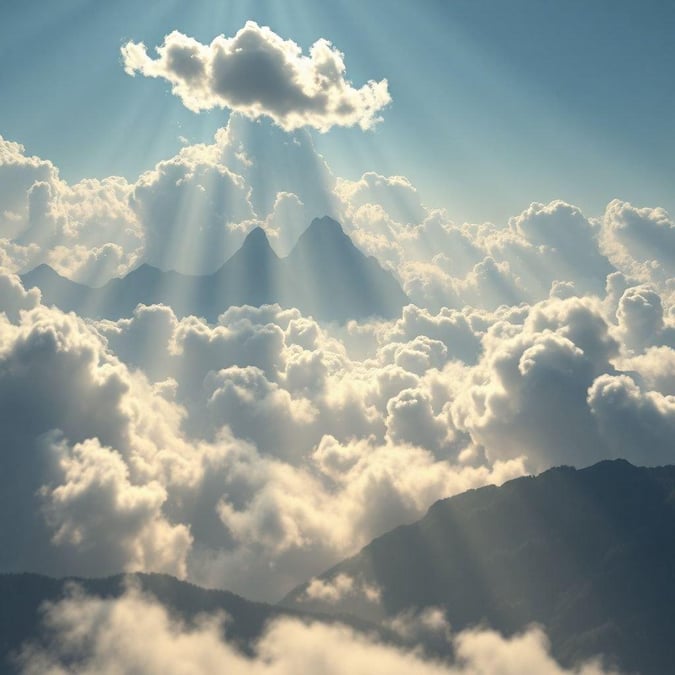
{"points": [[325, 276], [326, 226], [256, 249], [256, 235], [256, 238]]}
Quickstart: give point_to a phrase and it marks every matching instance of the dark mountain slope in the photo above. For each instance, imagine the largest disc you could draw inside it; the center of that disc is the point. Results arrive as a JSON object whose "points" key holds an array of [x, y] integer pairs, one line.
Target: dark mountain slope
{"points": [[588, 554], [325, 276]]}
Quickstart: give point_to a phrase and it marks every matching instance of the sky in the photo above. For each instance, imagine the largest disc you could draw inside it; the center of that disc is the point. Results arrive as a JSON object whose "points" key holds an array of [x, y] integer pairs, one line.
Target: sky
{"points": [[508, 169], [494, 105]]}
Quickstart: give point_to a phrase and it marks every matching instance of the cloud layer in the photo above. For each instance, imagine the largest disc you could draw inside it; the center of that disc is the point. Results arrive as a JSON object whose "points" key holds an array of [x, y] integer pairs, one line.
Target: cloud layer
{"points": [[255, 452], [258, 73]]}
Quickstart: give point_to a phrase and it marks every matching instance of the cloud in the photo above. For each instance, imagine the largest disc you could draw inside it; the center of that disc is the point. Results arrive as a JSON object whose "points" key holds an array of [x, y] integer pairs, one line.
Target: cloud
{"points": [[87, 230], [395, 194], [79, 496], [189, 212], [14, 298], [412, 624], [111, 523], [336, 589], [195, 211], [528, 393], [655, 368], [636, 423], [640, 241], [641, 319], [258, 73], [257, 443], [94, 635], [257, 451]]}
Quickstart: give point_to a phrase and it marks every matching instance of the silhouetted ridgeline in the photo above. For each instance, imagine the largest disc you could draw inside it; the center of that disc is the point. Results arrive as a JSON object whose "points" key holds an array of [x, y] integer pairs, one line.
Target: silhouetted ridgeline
{"points": [[589, 554], [325, 276]]}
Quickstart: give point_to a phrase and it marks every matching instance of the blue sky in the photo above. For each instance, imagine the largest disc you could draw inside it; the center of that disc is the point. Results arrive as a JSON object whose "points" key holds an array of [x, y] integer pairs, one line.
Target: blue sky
{"points": [[494, 104]]}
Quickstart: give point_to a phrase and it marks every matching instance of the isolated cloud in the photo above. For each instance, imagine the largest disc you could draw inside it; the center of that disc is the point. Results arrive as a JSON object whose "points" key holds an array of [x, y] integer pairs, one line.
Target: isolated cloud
{"points": [[93, 635], [258, 73]]}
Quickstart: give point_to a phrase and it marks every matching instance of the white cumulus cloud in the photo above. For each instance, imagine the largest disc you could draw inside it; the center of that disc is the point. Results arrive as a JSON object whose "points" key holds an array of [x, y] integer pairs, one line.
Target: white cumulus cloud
{"points": [[258, 73]]}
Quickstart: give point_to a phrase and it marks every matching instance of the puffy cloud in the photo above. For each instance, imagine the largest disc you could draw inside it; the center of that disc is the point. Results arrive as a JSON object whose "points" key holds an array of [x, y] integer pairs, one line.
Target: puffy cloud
{"points": [[395, 194], [655, 368], [263, 449], [641, 319], [189, 212], [640, 241], [411, 419], [288, 523], [18, 174], [14, 298], [638, 425], [259, 410], [450, 328], [94, 635], [86, 230], [260, 455], [72, 504], [289, 387], [195, 213], [562, 230], [260, 450], [414, 626], [336, 589], [528, 393], [110, 523], [559, 390], [258, 73]]}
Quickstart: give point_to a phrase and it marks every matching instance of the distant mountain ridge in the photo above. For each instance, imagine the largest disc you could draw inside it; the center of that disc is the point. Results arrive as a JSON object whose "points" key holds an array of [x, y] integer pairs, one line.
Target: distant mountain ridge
{"points": [[324, 276], [588, 554]]}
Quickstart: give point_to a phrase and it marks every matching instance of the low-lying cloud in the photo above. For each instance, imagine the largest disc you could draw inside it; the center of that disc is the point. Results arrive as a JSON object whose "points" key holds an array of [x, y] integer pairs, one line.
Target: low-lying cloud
{"points": [[105, 636]]}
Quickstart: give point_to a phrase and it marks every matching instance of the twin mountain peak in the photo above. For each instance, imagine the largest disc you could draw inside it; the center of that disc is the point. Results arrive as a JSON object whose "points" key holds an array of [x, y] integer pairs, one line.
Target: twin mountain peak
{"points": [[325, 276]]}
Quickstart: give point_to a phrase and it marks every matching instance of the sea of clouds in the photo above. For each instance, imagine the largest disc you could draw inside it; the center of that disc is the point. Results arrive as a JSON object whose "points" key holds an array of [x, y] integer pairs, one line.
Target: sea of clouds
{"points": [[255, 452]]}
